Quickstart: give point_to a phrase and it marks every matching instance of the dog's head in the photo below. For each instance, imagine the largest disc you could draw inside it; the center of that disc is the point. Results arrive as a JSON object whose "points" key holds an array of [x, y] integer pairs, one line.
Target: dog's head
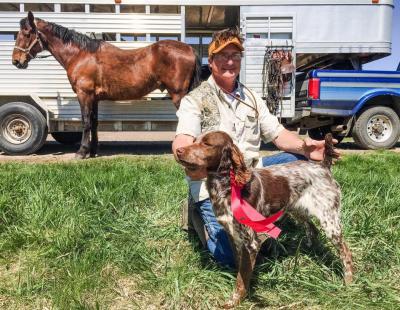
{"points": [[216, 152]]}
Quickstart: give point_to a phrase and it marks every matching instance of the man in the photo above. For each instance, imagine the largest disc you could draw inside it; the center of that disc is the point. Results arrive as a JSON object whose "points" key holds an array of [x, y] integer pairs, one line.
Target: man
{"points": [[222, 103]]}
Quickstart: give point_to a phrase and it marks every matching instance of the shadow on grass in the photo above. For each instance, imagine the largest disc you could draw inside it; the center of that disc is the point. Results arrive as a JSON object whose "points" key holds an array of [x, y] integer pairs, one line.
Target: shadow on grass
{"points": [[292, 244]]}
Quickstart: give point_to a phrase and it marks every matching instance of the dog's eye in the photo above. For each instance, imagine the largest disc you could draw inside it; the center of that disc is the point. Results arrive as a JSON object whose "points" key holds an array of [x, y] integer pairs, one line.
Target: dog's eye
{"points": [[207, 144]]}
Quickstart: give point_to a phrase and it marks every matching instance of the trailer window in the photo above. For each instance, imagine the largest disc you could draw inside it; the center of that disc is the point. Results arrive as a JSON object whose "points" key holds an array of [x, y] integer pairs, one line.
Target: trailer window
{"points": [[8, 36], [39, 7], [72, 7], [165, 9], [8, 7], [200, 43], [130, 37], [211, 17], [106, 36], [124, 8], [160, 37], [257, 35], [281, 35], [102, 8]]}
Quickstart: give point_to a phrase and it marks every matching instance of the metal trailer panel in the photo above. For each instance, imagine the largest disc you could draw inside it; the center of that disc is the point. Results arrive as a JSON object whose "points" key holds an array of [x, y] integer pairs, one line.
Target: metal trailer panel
{"points": [[335, 28], [102, 22], [47, 80]]}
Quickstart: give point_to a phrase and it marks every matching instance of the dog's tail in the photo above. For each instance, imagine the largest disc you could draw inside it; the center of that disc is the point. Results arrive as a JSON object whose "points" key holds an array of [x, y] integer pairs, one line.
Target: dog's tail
{"points": [[329, 151]]}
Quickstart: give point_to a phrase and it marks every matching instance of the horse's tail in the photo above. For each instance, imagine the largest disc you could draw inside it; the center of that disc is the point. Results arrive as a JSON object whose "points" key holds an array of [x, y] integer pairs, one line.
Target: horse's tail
{"points": [[329, 153], [196, 77]]}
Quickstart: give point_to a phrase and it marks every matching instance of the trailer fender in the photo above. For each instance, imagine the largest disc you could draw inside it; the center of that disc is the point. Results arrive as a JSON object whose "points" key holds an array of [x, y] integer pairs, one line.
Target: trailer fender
{"points": [[369, 96]]}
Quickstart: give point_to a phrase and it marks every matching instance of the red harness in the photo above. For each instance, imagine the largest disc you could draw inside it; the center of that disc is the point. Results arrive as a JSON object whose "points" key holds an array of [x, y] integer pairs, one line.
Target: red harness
{"points": [[245, 214]]}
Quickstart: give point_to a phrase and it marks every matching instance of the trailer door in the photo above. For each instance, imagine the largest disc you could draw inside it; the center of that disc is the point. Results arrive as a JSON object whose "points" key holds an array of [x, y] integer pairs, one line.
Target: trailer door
{"points": [[263, 32]]}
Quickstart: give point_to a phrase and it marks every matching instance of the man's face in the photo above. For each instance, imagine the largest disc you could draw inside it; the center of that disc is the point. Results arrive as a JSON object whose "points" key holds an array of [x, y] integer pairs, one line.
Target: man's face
{"points": [[226, 63]]}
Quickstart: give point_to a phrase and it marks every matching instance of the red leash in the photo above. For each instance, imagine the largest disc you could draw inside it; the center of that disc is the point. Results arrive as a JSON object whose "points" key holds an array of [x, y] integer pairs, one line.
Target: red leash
{"points": [[245, 214]]}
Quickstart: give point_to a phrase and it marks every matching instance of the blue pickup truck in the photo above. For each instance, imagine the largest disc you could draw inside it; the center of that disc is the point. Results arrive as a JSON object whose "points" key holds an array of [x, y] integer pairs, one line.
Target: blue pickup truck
{"points": [[361, 104]]}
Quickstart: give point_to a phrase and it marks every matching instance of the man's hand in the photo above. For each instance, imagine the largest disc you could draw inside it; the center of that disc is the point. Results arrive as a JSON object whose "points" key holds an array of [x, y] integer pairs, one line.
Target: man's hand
{"points": [[314, 149]]}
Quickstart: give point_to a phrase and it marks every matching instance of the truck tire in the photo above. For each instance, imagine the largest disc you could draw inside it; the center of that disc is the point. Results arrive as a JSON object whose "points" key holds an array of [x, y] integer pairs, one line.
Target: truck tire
{"points": [[67, 138], [376, 127], [320, 132], [23, 128]]}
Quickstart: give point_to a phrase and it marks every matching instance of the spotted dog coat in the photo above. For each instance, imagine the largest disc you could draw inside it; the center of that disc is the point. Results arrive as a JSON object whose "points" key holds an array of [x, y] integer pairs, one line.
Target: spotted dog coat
{"points": [[302, 189]]}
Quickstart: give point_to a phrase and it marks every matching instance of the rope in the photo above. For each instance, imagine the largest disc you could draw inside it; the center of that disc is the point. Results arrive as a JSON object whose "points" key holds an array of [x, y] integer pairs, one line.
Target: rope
{"points": [[273, 80]]}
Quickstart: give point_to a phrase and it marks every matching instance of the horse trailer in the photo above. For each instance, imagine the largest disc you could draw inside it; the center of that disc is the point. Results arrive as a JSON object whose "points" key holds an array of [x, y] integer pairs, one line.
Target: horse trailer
{"points": [[341, 34]]}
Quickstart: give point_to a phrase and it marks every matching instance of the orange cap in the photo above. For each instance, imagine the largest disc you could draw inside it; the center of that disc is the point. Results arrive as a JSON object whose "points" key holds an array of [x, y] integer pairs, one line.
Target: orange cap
{"points": [[217, 46]]}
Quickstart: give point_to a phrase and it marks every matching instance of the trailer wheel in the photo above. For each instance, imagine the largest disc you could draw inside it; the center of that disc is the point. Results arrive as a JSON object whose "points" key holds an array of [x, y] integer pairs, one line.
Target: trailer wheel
{"points": [[23, 128], [320, 132], [67, 138], [377, 128]]}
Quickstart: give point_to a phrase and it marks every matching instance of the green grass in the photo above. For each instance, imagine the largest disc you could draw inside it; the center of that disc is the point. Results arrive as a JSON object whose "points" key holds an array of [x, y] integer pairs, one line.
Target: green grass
{"points": [[104, 234]]}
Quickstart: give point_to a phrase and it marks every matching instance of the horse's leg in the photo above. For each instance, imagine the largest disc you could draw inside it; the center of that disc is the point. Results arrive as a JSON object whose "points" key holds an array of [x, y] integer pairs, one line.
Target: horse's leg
{"points": [[86, 102], [94, 140]]}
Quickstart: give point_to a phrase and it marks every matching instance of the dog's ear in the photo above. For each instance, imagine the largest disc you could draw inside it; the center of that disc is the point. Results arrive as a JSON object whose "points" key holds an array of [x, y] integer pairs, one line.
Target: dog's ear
{"points": [[225, 163], [242, 174]]}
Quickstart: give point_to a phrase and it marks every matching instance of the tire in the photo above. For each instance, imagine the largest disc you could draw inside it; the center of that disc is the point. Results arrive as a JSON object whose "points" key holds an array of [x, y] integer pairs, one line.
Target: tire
{"points": [[23, 128], [67, 138], [320, 132], [376, 128]]}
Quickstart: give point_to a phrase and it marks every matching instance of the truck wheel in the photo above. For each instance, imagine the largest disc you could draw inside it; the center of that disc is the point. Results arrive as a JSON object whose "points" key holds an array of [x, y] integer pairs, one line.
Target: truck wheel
{"points": [[377, 128], [320, 132], [67, 138], [23, 128]]}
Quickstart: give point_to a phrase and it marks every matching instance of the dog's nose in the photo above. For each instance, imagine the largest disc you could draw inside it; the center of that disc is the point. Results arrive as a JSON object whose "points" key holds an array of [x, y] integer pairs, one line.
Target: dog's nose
{"points": [[180, 151], [15, 62]]}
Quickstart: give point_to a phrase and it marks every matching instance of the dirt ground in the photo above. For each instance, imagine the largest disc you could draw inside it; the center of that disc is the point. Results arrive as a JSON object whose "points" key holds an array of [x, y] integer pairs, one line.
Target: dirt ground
{"points": [[136, 143]]}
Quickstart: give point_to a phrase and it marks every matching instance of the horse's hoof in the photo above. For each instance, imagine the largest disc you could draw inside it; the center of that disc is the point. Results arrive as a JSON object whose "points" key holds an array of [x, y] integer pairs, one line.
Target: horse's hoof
{"points": [[81, 156]]}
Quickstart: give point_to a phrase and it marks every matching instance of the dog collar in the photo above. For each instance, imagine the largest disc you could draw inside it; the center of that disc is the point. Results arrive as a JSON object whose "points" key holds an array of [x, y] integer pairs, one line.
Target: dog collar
{"points": [[245, 214]]}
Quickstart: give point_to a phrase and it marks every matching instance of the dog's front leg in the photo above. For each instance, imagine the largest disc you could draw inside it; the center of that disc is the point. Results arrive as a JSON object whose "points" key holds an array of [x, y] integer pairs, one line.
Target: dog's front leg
{"points": [[246, 262]]}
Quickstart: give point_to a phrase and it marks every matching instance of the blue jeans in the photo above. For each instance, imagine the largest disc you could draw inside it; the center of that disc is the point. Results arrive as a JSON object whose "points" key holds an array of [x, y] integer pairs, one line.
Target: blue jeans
{"points": [[218, 242]]}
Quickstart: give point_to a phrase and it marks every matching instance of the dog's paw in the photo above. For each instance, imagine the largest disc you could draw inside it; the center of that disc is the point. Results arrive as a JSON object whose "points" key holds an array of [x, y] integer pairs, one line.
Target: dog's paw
{"points": [[348, 278], [229, 304], [234, 301]]}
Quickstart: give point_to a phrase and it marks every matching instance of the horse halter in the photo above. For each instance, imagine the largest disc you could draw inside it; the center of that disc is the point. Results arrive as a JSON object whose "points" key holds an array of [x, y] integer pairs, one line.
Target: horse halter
{"points": [[28, 50]]}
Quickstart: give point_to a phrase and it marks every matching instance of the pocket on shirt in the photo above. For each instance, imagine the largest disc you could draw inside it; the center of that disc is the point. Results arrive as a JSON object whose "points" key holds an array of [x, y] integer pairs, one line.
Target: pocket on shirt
{"points": [[252, 127]]}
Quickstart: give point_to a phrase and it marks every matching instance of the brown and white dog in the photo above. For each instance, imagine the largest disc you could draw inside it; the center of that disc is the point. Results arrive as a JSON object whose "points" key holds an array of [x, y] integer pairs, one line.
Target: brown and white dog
{"points": [[302, 189]]}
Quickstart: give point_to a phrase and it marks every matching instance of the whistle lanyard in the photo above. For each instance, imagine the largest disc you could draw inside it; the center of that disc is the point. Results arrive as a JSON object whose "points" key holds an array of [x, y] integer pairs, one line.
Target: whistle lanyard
{"points": [[220, 95]]}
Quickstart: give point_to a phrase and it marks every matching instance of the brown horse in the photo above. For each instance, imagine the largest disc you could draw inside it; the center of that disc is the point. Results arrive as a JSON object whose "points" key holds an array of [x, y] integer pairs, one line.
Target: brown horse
{"points": [[98, 70]]}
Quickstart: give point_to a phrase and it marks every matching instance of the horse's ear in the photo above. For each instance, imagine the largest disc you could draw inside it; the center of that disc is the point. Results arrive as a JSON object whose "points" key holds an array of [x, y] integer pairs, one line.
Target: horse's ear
{"points": [[31, 20], [242, 174]]}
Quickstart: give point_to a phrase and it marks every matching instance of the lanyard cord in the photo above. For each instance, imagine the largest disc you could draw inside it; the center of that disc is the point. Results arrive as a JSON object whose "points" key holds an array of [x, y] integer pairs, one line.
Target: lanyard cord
{"points": [[240, 100]]}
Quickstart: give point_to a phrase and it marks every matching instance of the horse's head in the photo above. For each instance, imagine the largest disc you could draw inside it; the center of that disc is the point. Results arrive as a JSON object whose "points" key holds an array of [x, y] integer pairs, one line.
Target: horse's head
{"points": [[28, 43]]}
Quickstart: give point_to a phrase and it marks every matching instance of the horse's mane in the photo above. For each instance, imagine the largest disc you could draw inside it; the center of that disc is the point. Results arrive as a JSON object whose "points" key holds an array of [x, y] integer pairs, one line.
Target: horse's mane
{"points": [[70, 36]]}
